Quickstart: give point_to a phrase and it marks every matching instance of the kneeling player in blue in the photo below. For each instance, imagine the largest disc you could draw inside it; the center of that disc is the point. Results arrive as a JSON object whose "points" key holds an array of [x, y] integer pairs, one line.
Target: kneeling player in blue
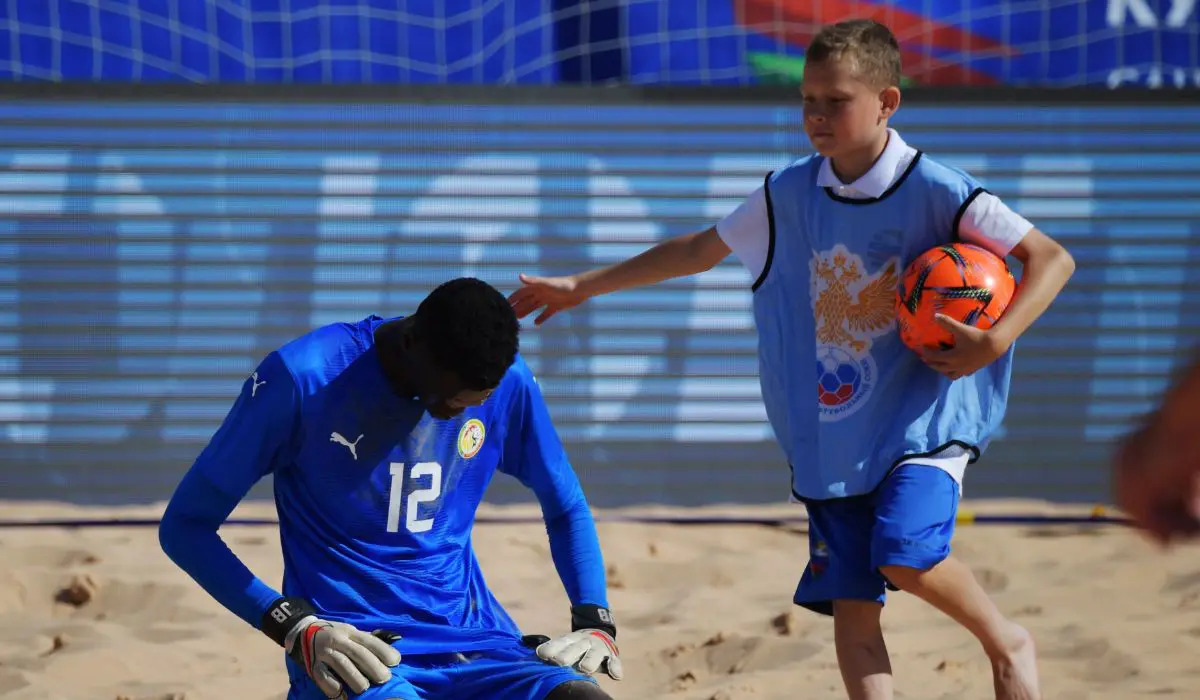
{"points": [[382, 436]]}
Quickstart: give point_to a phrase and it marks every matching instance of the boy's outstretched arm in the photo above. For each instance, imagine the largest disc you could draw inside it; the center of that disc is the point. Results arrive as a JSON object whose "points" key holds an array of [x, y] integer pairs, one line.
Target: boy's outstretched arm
{"points": [[675, 257]]}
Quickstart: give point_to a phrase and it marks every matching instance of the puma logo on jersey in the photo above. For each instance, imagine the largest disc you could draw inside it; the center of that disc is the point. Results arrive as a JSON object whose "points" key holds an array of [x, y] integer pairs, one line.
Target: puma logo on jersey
{"points": [[254, 384], [352, 446]]}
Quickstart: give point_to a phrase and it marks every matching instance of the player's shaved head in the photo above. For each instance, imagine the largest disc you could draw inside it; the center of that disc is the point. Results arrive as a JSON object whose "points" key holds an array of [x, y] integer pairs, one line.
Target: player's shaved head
{"points": [[470, 330]]}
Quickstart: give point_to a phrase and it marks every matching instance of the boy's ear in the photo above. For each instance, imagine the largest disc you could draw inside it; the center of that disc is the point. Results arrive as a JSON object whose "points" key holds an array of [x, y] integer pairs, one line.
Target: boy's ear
{"points": [[889, 101]]}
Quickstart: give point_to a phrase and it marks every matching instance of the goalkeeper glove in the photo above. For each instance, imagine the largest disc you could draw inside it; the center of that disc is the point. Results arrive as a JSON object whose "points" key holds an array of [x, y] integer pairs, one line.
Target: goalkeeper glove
{"points": [[333, 654], [589, 648]]}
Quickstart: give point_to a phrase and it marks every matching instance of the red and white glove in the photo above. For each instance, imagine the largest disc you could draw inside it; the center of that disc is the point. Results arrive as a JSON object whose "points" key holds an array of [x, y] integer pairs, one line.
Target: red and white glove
{"points": [[337, 656], [592, 647]]}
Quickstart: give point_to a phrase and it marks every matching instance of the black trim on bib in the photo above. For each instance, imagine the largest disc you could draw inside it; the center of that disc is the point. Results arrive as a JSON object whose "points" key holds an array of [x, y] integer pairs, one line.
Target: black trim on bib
{"points": [[962, 210], [973, 449], [887, 193], [770, 235]]}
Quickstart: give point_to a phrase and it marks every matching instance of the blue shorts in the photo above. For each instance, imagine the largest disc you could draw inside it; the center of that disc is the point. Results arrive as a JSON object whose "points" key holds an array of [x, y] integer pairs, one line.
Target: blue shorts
{"points": [[907, 521], [514, 673]]}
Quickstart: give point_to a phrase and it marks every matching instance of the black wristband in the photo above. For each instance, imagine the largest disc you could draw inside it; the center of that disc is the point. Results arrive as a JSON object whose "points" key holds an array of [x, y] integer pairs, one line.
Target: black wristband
{"points": [[593, 617], [282, 616]]}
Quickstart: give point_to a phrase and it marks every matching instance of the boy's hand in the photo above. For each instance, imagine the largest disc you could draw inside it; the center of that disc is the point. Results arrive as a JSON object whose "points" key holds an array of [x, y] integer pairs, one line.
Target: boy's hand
{"points": [[554, 293], [974, 349]]}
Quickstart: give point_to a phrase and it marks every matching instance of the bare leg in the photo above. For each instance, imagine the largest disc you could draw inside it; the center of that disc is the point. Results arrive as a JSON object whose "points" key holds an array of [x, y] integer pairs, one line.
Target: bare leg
{"points": [[951, 587], [861, 652]]}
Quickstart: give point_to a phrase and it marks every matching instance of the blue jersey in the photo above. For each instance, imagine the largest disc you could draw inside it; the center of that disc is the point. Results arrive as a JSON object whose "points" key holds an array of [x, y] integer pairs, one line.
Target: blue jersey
{"points": [[376, 499], [826, 301]]}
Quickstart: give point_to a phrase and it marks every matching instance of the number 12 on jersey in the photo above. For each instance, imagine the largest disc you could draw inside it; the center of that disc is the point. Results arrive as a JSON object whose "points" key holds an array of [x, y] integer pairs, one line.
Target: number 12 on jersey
{"points": [[396, 499]]}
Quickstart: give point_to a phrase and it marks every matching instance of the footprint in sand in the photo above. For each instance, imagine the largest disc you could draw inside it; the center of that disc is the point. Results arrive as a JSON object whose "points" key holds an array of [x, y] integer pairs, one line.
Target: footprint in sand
{"points": [[784, 623], [614, 578], [648, 621], [126, 602], [1181, 582], [52, 557], [1114, 666], [11, 681], [154, 696], [1187, 586], [1102, 662], [79, 591], [683, 681], [724, 654], [729, 654], [168, 635], [57, 643]]}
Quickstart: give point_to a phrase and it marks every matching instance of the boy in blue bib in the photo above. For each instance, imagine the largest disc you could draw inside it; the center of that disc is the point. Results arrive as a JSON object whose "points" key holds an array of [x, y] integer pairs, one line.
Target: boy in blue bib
{"points": [[879, 467]]}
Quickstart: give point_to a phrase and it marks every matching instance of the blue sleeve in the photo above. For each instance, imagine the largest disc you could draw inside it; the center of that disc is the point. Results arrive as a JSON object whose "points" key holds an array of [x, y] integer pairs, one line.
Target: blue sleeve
{"points": [[534, 454], [255, 438]]}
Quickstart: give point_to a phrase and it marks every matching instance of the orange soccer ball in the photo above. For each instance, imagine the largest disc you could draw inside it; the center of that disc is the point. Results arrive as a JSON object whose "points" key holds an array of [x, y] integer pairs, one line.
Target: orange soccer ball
{"points": [[960, 280]]}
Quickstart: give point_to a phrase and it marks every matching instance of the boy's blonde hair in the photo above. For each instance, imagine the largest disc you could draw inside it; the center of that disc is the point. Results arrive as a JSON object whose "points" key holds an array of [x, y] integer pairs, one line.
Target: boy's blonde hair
{"points": [[870, 46]]}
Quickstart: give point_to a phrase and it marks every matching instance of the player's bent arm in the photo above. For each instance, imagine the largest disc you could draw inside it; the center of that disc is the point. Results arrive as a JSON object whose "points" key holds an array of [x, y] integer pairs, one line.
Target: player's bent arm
{"points": [[535, 455], [332, 653], [591, 645], [575, 549], [257, 437], [1047, 267], [254, 438], [680, 256], [188, 535]]}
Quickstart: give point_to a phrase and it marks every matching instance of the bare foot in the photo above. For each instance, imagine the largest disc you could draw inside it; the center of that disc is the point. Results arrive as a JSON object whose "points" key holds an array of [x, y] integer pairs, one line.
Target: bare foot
{"points": [[1014, 671]]}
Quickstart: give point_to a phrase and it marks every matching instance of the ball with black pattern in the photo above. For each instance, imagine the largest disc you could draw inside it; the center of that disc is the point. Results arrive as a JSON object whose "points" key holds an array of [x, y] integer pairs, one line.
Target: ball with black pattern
{"points": [[961, 280]]}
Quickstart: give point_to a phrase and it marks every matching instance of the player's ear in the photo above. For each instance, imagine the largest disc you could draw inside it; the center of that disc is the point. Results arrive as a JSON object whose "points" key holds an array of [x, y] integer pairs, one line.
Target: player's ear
{"points": [[889, 101]]}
